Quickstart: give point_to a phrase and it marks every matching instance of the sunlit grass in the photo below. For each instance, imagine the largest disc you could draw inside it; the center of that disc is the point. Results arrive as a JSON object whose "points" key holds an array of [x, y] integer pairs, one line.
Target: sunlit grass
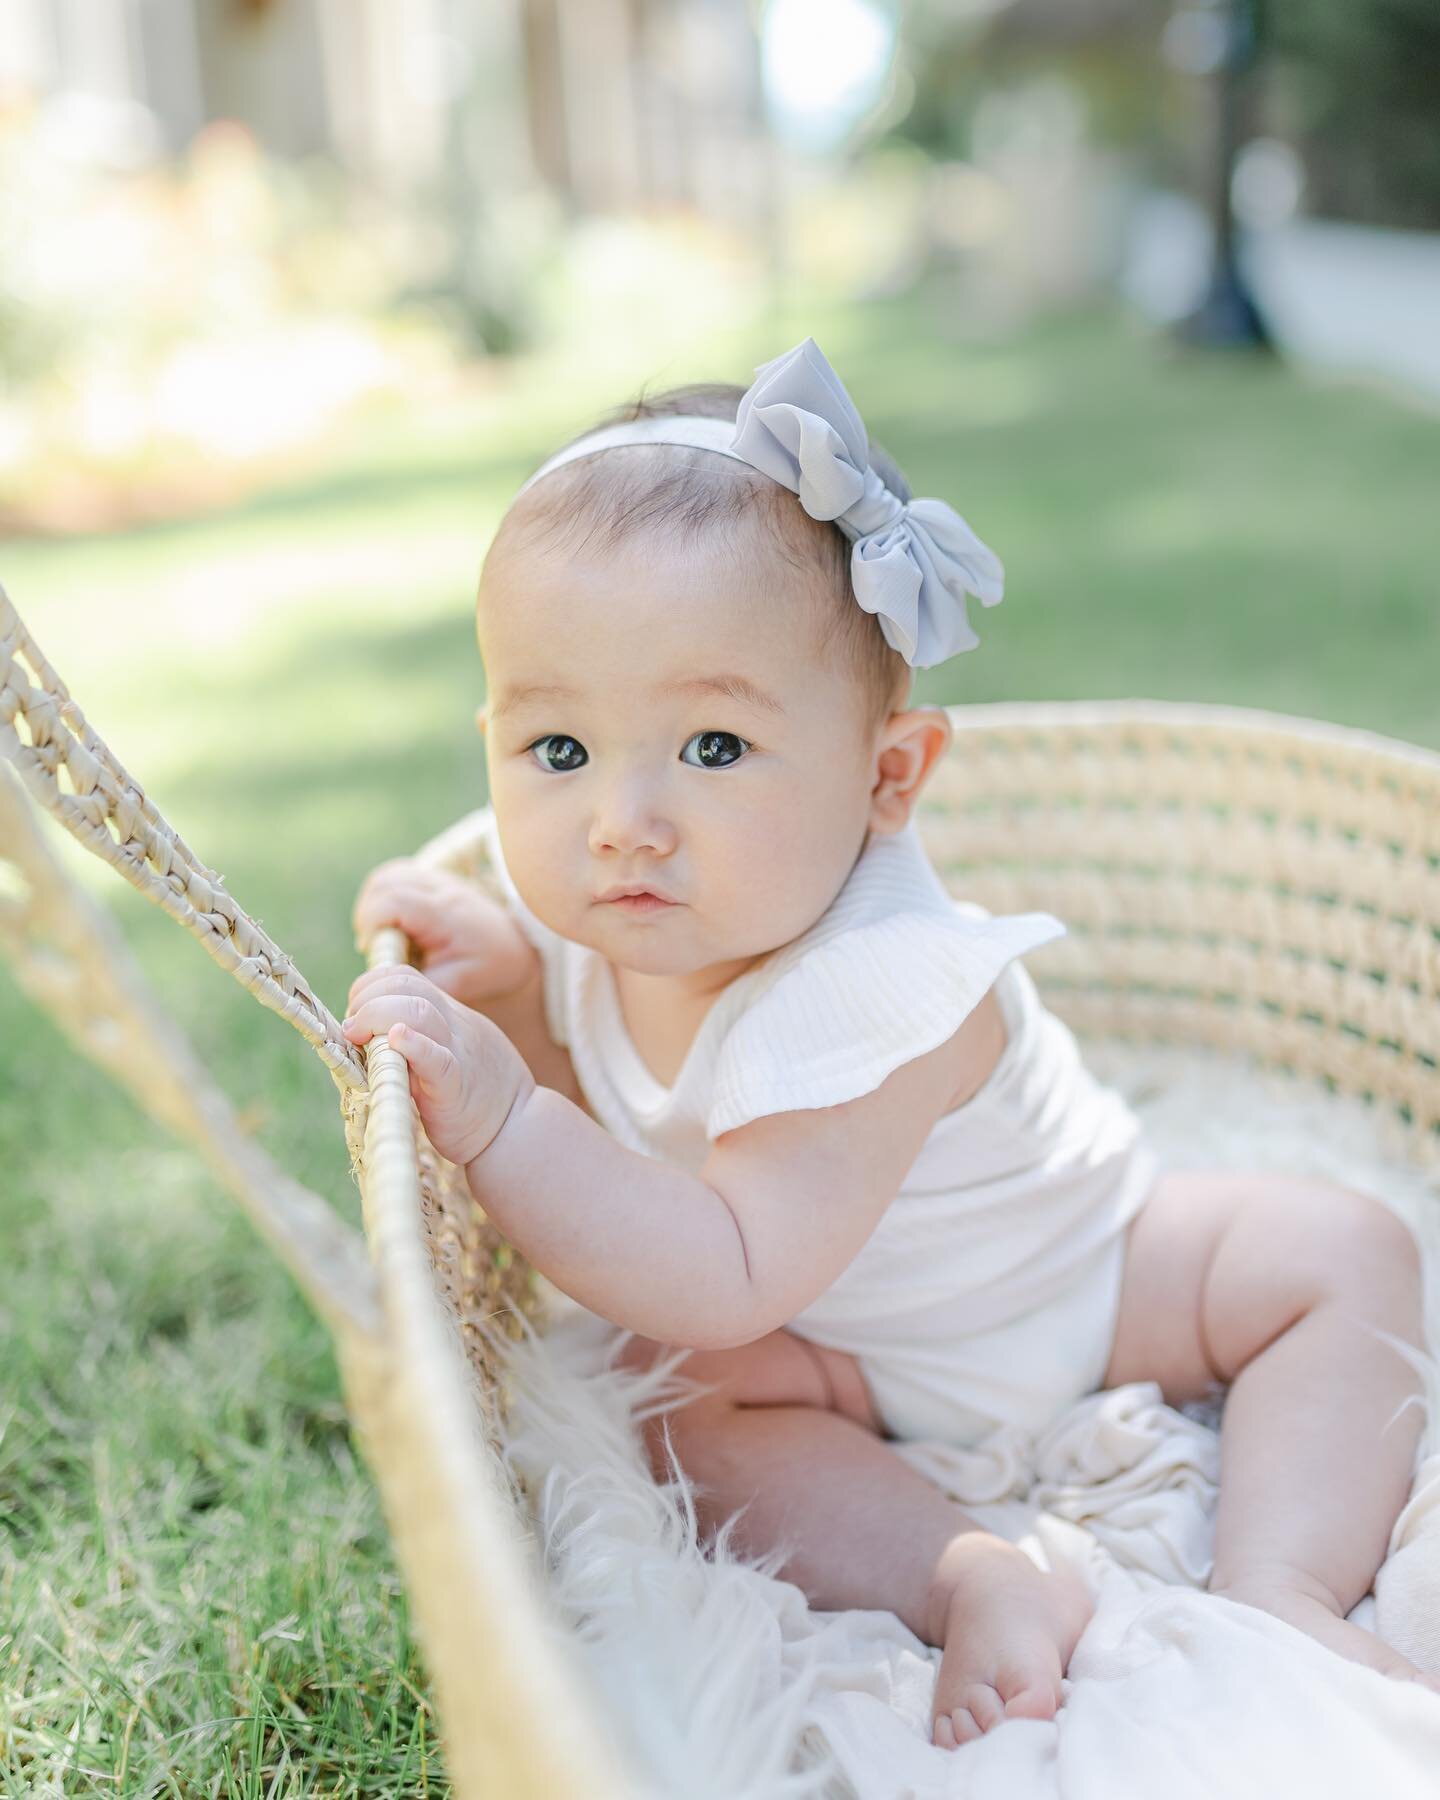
{"points": [[196, 1593]]}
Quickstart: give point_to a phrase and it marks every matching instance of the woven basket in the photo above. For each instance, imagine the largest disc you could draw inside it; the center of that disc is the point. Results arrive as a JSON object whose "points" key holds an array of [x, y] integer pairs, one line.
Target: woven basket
{"points": [[1232, 879]]}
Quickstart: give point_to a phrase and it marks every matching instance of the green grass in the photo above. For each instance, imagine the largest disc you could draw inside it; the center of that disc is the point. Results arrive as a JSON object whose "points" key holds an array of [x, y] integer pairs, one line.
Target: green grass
{"points": [[196, 1593]]}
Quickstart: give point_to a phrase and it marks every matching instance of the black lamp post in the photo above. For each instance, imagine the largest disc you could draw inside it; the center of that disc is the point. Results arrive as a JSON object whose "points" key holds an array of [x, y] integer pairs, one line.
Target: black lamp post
{"points": [[1228, 316]]}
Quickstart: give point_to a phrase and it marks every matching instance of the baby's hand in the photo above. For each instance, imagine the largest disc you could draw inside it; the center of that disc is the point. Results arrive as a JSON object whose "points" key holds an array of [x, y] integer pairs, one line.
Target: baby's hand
{"points": [[465, 1074], [469, 945]]}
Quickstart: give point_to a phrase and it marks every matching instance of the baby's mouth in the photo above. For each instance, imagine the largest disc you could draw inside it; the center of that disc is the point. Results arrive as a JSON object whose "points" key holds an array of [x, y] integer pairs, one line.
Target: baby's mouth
{"points": [[639, 903]]}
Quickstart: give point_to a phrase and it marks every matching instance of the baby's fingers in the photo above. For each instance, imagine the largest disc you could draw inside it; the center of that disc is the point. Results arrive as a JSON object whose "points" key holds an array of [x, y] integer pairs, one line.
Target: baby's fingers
{"points": [[408, 896], [393, 979], [373, 1017], [383, 875], [432, 1062]]}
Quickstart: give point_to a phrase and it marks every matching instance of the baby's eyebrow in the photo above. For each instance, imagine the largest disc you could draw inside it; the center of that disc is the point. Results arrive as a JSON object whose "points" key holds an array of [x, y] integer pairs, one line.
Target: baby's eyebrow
{"points": [[537, 690], [734, 687]]}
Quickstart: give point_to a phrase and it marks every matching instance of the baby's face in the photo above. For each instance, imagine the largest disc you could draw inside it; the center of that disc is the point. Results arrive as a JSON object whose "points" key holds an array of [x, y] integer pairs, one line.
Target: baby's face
{"points": [[687, 740]]}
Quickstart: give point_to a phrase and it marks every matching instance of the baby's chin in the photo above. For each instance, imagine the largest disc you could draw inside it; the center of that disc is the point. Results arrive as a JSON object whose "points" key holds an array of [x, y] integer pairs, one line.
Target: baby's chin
{"points": [[669, 946]]}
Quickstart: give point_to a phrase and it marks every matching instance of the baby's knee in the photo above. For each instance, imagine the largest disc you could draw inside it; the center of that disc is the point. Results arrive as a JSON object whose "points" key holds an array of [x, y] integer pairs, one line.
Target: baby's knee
{"points": [[683, 1409], [695, 1427], [779, 1369], [1370, 1242], [1367, 1264]]}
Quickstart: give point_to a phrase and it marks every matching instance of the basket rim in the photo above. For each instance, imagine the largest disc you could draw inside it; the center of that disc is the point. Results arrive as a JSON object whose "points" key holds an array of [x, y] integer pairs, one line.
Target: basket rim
{"points": [[974, 715]]}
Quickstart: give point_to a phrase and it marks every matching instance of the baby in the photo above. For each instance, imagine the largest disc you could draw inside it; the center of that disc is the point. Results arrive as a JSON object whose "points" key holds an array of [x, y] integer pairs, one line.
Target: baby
{"points": [[733, 1069]]}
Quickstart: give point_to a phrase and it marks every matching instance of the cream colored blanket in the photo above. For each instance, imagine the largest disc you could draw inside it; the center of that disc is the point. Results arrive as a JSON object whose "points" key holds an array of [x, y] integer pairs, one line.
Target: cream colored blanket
{"points": [[723, 1685]]}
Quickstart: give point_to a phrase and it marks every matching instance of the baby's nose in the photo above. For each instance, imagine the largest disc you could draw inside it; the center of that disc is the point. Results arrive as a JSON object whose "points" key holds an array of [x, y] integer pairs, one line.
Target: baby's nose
{"points": [[631, 822], [615, 839]]}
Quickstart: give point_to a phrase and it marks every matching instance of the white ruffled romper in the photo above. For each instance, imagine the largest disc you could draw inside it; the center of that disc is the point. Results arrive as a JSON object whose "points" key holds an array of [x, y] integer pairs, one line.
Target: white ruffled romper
{"points": [[987, 1293]]}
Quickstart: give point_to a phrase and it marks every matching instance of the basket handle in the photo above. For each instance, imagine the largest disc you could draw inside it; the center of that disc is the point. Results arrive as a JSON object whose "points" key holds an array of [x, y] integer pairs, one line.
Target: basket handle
{"points": [[72, 773]]}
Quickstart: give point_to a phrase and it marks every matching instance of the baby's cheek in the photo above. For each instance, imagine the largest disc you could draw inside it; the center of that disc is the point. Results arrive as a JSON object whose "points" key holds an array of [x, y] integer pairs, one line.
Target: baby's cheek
{"points": [[806, 869], [557, 895], [776, 881]]}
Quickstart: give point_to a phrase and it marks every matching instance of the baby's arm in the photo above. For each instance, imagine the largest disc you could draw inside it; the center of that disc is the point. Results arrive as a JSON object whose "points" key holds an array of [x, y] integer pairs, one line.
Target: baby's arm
{"points": [[780, 1208]]}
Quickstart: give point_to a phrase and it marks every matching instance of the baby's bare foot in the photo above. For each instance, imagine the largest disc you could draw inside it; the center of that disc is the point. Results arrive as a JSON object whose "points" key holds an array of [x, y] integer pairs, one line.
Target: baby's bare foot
{"points": [[1009, 1629], [1310, 1608]]}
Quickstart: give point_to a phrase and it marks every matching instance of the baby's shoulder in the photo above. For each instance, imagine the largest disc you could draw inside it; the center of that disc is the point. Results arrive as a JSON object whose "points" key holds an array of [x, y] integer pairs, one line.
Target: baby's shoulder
{"points": [[835, 1015], [807, 1187]]}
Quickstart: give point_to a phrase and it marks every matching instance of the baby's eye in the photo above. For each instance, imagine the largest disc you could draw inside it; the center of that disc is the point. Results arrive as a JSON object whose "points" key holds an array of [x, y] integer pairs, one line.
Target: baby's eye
{"points": [[569, 750], [718, 749]]}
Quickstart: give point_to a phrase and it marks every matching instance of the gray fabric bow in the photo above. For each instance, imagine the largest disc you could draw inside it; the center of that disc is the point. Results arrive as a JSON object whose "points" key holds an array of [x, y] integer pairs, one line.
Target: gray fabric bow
{"points": [[913, 561]]}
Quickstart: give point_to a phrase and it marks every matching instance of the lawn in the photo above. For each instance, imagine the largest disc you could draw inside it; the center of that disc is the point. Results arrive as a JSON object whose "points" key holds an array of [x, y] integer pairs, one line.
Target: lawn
{"points": [[196, 1593]]}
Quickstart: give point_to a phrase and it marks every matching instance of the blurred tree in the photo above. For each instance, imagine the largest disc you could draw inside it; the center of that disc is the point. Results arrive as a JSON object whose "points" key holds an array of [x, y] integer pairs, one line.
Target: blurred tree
{"points": [[1354, 85], [1359, 94], [960, 49], [1228, 316]]}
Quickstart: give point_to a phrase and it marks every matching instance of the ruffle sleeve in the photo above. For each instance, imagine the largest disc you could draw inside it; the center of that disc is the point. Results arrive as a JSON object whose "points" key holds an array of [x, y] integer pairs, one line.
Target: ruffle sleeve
{"points": [[856, 1006], [549, 944]]}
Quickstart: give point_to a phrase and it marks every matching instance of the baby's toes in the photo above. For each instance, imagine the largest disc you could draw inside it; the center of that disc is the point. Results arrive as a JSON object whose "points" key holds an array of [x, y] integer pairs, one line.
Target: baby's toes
{"points": [[1030, 1695], [983, 1705], [980, 1707]]}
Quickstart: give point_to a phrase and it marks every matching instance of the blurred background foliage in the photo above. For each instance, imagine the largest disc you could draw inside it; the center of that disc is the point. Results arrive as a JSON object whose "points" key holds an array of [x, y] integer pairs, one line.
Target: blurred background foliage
{"points": [[1349, 85], [1360, 100], [227, 226]]}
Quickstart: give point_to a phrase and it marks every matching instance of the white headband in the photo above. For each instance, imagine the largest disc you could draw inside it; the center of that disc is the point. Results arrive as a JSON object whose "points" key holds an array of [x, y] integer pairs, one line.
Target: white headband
{"points": [[913, 561]]}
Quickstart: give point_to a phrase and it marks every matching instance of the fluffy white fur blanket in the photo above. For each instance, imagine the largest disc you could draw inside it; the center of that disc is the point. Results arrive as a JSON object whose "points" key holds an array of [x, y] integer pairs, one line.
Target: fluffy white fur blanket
{"points": [[721, 1684]]}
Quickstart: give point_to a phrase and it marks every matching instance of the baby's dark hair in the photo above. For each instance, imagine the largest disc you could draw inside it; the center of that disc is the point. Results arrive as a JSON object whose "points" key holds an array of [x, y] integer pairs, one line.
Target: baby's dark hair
{"points": [[606, 499]]}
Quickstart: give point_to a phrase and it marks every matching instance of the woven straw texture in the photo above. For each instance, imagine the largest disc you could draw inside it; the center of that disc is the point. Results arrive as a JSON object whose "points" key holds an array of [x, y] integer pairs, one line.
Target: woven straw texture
{"points": [[1229, 878]]}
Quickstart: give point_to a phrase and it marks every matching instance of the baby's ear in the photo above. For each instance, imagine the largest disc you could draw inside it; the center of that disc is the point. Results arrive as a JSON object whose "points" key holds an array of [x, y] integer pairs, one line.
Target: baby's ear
{"points": [[480, 720], [911, 744]]}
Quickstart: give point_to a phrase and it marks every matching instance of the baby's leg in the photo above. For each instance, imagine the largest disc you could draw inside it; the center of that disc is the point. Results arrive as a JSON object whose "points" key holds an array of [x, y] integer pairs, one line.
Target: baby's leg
{"points": [[790, 1435], [1268, 1283]]}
